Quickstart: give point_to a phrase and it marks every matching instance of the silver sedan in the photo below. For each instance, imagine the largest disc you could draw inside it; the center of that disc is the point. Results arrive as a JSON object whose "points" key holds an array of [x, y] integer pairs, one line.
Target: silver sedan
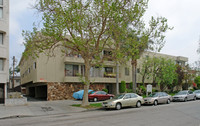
{"points": [[157, 98], [184, 95], [197, 93], [124, 100]]}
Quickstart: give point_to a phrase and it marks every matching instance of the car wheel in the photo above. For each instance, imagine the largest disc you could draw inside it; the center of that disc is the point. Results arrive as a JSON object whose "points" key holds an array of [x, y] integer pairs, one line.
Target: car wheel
{"points": [[111, 97], [194, 98], [185, 100], [138, 104], [168, 101], [95, 99], [155, 103], [118, 106]]}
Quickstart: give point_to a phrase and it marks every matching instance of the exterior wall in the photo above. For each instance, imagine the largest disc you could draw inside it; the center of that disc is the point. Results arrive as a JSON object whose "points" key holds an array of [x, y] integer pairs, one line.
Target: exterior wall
{"points": [[176, 59], [52, 69], [61, 91], [4, 48]]}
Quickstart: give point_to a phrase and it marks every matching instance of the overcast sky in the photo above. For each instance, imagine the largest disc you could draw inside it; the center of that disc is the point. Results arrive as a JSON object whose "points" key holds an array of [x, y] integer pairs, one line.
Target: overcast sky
{"points": [[183, 15]]}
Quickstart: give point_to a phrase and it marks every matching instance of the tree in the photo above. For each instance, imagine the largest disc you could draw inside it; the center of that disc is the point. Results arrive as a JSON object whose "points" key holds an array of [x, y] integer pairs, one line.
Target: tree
{"points": [[83, 27], [141, 39], [188, 77], [197, 81], [146, 70], [167, 73]]}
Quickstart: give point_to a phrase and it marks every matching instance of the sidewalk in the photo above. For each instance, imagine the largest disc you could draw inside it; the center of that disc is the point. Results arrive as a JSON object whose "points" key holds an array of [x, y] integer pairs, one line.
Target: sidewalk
{"points": [[39, 108]]}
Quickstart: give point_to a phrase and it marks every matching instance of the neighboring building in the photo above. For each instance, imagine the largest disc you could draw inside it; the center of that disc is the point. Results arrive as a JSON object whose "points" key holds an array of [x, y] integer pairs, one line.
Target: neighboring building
{"points": [[17, 83], [4, 48], [56, 78]]}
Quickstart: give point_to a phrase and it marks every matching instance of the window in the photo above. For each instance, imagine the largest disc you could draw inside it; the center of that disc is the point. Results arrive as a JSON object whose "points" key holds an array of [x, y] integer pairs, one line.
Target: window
{"points": [[1, 2], [18, 80], [108, 69], [133, 96], [1, 38], [138, 70], [127, 71], [71, 70], [107, 55], [1, 64], [29, 70], [34, 65], [1, 12]]}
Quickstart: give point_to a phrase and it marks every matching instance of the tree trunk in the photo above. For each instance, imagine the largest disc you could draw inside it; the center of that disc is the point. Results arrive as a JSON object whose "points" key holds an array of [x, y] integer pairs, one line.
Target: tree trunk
{"points": [[117, 79], [134, 65], [87, 83]]}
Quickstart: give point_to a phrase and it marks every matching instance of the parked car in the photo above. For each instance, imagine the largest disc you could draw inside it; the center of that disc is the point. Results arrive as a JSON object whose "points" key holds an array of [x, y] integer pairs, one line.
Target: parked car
{"points": [[99, 95], [197, 93], [157, 98], [184, 95], [124, 100], [79, 94]]}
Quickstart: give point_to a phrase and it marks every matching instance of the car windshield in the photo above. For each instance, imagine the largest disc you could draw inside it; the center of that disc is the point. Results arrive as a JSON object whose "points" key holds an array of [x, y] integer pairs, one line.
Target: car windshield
{"points": [[119, 96], [91, 92], [197, 91], [182, 93], [153, 95]]}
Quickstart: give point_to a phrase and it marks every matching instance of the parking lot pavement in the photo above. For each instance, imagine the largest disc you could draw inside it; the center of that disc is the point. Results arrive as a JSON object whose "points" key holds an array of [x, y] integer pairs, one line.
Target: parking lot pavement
{"points": [[39, 108]]}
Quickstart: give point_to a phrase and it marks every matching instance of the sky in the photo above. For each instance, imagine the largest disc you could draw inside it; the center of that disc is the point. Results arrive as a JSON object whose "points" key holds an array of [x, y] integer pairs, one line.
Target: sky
{"points": [[183, 15]]}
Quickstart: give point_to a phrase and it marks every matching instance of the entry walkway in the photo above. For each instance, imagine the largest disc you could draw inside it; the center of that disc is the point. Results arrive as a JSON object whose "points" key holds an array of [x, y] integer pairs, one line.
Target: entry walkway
{"points": [[39, 108]]}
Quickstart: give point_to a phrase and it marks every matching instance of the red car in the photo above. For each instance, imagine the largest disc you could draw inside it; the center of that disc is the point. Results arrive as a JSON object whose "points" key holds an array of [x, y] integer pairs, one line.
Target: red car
{"points": [[99, 95]]}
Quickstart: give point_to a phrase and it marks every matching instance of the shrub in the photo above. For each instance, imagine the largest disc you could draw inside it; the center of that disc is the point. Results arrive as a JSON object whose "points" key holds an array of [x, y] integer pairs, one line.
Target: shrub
{"points": [[131, 85], [106, 90], [143, 89], [122, 87], [129, 90]]}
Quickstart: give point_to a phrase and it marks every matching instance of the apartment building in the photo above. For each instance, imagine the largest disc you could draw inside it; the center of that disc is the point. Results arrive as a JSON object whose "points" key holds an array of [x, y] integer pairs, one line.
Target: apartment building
{"points": [[4, 48], [56, 78]]}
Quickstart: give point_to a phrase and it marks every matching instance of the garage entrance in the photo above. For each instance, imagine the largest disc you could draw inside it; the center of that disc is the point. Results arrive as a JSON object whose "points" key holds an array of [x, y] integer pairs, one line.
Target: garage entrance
{"points": [[2, 94], [38, 92]]}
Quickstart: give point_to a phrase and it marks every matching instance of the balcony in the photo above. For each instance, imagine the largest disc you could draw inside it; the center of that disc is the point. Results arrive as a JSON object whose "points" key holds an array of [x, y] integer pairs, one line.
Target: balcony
{"points": [[73, 59]]}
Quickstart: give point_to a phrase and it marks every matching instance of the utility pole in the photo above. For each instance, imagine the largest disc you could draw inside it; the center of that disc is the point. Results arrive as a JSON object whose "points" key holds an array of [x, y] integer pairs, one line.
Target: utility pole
{"points": [[13, 82]]}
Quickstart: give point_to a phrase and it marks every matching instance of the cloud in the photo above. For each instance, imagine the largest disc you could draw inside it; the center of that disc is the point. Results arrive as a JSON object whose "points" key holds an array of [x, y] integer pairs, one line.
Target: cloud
{"points": [[183, 16]]}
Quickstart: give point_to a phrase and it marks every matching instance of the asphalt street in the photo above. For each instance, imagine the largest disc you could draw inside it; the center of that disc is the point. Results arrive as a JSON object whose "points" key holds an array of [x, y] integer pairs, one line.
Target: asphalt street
{"points": [[174, 114]]}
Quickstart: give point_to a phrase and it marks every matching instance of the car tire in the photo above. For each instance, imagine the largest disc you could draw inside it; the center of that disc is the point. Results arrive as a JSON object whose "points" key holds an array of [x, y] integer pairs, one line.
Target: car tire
{"points": [[138, 104], [118, 106], [95, 99], [111, 97], [155, 103], [168, 101], [185, 100], [194, 98]]}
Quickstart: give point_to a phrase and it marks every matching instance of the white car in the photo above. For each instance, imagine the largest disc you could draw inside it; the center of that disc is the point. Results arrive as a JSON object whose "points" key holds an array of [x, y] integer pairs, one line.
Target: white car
{"points": [[197, 93]]}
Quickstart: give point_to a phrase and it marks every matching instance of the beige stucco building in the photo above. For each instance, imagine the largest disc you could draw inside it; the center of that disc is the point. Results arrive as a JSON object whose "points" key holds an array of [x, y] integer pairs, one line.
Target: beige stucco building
{"points": [[56, 78], [4, 48]]}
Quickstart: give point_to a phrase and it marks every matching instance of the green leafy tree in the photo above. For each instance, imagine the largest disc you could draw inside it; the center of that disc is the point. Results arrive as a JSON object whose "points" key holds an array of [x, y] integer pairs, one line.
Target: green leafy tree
{"points": [[152, 38], [197, 81], [83, 27], [167, 73], [146, 69]]}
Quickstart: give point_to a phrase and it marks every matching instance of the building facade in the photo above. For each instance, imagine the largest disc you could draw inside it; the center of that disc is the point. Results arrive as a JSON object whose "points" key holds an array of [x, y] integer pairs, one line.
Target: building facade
{"points": [[4, 48], [57, 78]]}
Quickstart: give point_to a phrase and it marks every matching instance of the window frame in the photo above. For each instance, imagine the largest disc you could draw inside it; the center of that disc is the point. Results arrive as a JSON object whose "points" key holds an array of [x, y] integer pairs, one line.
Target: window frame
{"points": [[3, 64], [1, 38], [1, 8]]}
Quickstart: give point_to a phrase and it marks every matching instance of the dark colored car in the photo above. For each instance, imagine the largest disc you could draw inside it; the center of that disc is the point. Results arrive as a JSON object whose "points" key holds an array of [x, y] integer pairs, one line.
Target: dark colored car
{"points": [[99, 95]]}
